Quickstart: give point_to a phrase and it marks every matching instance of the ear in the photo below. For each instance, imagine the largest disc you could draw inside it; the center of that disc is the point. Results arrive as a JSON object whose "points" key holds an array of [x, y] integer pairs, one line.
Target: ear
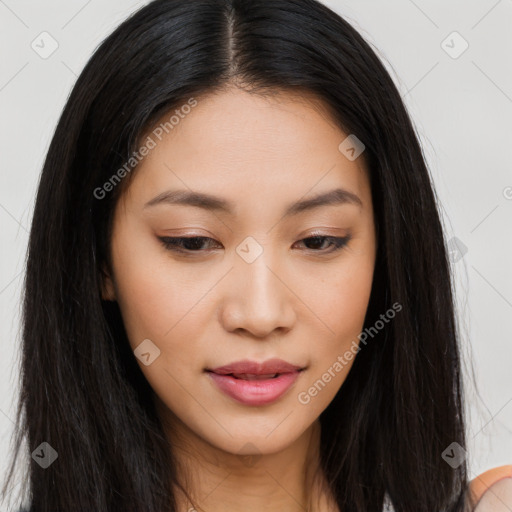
{"points": [[107, 285]]}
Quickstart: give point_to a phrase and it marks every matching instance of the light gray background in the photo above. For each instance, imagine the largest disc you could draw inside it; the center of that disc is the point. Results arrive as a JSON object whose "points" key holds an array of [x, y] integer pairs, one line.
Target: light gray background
{"points": [[462, 108]]}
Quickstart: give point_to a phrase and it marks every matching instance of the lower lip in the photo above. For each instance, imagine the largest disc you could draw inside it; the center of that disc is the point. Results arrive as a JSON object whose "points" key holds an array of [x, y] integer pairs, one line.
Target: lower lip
{"points": [[255, 392]]}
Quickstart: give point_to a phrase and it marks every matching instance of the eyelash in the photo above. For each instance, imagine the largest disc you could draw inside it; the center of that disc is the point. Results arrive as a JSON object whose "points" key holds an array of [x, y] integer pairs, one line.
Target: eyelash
{"points": [[175, 244]]}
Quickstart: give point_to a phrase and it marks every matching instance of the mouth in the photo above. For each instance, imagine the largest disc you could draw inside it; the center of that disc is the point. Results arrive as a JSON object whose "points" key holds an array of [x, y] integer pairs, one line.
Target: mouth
{"points": [[255, 384], [268, 368], [252, 376]]}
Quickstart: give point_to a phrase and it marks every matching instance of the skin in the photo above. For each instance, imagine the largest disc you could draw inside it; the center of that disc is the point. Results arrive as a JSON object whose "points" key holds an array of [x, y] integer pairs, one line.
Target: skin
{"points": [[497, 498], [298, 301]]}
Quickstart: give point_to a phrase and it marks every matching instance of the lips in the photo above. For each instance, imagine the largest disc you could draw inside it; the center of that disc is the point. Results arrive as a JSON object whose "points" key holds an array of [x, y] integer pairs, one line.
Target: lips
{"points": [[268, 369], [253, 383], [253, 376]]}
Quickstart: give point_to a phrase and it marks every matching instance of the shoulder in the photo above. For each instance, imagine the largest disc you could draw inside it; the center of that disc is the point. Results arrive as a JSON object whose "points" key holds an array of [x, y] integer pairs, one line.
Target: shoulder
{"points": [[491, 491]]}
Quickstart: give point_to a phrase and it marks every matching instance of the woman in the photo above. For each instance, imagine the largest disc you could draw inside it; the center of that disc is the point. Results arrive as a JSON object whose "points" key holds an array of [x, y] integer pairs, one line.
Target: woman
{"points": [[237, 293]]}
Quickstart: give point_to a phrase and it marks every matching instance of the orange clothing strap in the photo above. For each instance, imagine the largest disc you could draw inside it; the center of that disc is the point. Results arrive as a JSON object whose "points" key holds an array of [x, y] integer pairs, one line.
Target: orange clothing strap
{"points": [[482, 482]]}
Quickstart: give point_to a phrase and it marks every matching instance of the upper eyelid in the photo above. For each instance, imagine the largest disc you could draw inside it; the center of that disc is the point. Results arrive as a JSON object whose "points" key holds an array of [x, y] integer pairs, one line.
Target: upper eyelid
{"points": [[312, 235]]}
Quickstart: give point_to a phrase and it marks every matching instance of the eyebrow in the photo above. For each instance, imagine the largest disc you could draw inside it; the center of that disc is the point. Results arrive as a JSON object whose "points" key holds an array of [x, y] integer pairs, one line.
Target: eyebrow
{"points": [[338, 196]]}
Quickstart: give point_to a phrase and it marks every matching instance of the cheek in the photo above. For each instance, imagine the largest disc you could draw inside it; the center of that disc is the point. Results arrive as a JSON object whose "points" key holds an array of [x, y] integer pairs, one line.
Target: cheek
{"points": [[162, 302], [156, 305], [147, 304], [340, 301], [339, 297]]}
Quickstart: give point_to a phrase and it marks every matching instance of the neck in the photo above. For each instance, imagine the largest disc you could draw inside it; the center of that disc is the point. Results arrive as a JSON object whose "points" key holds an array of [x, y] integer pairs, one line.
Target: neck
{"points": [[218, 481]]}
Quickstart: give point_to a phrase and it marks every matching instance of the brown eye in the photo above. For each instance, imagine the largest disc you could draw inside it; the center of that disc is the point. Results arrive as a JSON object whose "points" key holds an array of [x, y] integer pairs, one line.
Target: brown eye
{"points": [[185, 244], [318, 243]]}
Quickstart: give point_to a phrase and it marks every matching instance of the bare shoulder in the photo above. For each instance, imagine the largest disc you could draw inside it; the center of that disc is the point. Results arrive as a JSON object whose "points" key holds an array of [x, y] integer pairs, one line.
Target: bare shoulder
{"points": [[497, 497]]}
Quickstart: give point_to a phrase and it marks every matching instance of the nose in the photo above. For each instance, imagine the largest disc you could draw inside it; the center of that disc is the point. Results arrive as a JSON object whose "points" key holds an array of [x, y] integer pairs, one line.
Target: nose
{"points": [[258, 299]]}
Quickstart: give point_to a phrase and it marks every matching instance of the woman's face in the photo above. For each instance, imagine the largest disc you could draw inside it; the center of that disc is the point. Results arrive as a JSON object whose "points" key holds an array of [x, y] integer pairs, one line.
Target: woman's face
{"points": [[257, 286]]}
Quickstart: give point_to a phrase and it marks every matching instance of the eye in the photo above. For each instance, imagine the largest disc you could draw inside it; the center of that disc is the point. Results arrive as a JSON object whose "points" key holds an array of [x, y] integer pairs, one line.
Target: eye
{"points": [[185, 244], [195, 244], [334, 243]]}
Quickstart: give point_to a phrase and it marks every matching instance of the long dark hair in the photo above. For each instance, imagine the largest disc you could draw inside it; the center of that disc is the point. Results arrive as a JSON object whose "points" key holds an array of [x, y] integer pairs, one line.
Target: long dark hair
{"points": [[82, 391]]}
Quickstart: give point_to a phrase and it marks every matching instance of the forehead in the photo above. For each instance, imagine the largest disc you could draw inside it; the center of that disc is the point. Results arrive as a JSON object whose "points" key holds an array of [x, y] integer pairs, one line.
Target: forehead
{"points": [[245, 146]]}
